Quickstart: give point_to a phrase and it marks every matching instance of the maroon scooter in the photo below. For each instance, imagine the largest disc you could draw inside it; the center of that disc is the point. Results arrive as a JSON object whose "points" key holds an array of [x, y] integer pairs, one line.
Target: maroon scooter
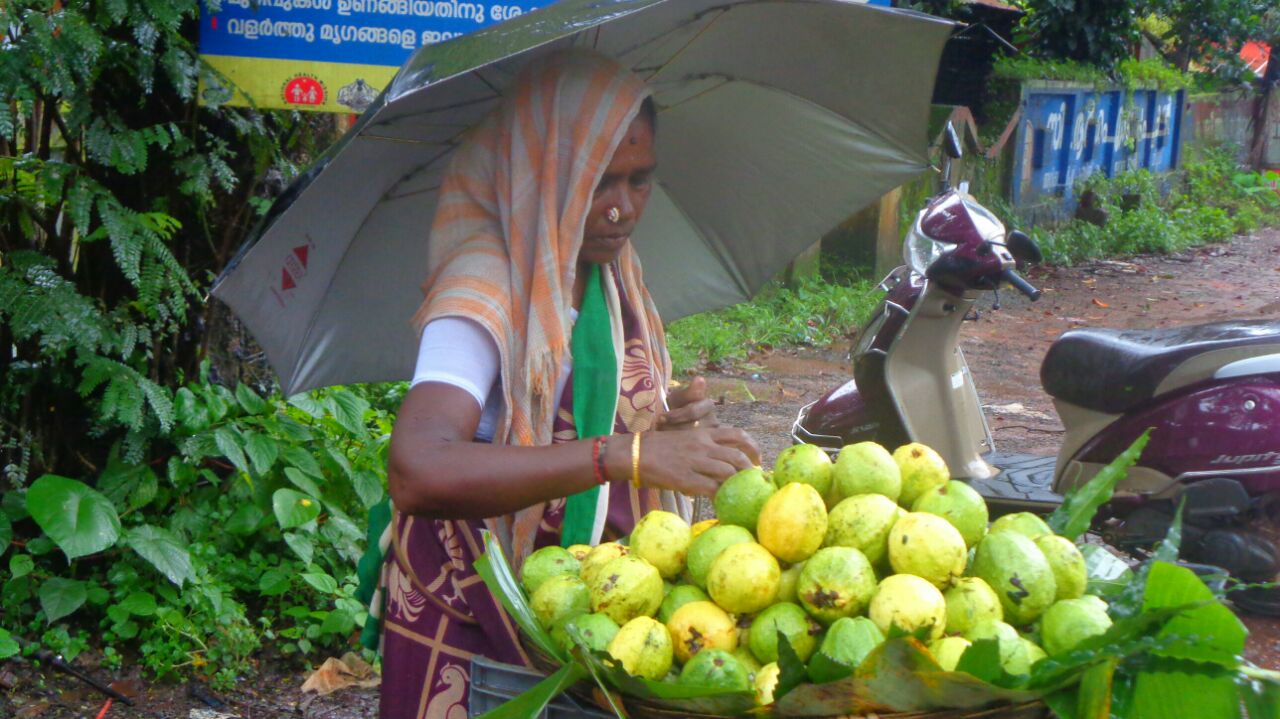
{"points": [[1210, 393]]}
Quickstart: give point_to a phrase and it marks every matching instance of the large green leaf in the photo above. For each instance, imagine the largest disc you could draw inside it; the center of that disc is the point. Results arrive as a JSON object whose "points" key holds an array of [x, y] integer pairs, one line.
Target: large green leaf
{"points": [[74, 515], [20, 565], [348, 409], [128, 486], [60, 597], [262, 451], [250, 401], [8, 645], [160, 547], [293, 508], [6, 533], [1094, 695], [496, 573], [303, 460], [302, 481], [530, 704], [1079, 506], [228, 443]]}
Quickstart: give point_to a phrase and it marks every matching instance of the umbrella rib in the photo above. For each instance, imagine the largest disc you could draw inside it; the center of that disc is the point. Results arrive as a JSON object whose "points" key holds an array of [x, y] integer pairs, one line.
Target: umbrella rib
{"points": [[718, 253], [658, 70]]}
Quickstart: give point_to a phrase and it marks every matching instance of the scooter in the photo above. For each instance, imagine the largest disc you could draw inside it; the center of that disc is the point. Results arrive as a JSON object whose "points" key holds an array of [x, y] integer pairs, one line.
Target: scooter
{"points": [[1210, 394]]}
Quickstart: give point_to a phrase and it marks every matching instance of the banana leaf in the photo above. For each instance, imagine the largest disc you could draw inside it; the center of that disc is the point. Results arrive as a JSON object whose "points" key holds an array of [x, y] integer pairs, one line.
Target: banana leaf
{"points": [[1079, 506], [495, 571]]}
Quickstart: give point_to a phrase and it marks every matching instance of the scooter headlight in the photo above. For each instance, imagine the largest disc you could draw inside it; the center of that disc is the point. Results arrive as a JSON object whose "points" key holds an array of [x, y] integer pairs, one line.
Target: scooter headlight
{"points": [[919, 251]]}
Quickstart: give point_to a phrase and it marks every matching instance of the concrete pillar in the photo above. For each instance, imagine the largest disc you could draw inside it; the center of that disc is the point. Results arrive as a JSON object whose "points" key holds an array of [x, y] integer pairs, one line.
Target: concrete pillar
{"points": [[888, 233]]}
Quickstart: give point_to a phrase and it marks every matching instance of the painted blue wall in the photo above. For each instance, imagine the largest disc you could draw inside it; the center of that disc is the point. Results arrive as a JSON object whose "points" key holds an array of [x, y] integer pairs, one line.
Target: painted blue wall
{"points": [[1067, 133]]}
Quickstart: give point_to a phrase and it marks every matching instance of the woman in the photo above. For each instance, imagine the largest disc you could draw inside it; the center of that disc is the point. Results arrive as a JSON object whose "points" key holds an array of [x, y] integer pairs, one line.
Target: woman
{"points": [[539, 339]]}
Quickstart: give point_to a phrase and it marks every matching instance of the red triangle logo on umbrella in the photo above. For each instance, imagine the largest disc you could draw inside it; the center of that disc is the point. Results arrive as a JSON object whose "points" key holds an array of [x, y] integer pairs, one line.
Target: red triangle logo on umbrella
{"points": [[286, 280], [301, 252]]}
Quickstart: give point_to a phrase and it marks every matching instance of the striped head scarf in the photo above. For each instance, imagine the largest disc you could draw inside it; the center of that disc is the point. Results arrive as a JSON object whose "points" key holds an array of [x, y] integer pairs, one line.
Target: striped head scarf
{"points": [[508, 227]]}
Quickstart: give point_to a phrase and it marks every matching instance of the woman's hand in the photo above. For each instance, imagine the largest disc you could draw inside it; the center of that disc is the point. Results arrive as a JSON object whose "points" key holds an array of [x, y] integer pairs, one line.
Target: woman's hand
{"points": [[689, 406], [690, 461]]}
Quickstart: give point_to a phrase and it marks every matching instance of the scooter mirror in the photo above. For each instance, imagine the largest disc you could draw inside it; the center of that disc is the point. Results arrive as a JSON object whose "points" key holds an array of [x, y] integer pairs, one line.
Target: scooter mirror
{"points": [[1023, 248], [951, 143]]}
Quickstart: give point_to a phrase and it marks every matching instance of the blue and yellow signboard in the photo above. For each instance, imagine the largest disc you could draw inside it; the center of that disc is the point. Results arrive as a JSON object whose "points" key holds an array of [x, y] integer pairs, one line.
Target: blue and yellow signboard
{"points": [[330, 55]]}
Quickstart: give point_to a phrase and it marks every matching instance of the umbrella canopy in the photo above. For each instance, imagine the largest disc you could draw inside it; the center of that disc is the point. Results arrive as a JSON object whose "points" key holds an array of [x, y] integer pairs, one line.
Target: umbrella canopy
{"points": [[777, 120]]}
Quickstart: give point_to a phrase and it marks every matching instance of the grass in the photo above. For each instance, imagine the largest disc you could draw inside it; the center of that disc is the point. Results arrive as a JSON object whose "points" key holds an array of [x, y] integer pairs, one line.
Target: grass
{"points": [[816, 313]]}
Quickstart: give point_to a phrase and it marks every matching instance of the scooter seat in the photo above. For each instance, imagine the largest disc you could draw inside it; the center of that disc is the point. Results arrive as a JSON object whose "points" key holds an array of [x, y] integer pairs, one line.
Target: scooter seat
{"points": [[1112, 371]]}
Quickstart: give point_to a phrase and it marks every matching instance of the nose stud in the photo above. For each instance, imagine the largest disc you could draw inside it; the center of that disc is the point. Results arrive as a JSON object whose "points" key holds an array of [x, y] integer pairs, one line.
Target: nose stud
{"points": [[613, 215]]}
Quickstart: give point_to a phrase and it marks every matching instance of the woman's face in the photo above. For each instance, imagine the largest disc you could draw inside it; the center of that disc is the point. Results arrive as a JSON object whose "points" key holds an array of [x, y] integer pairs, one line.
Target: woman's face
{"points": [[621, 196]]}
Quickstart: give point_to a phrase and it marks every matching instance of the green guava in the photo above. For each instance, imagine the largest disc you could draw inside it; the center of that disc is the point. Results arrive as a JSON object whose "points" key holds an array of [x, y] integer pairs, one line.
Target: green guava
{"points": [[863, 522], [597, 631], [1071, 621], [546, 563], [804, 463], [908, 602], [744, 578], [680, 595], [927, 546], [959, 504], [1069, 571], [970, 602], [1014, 657], [717, 669], [626, 588], [789, 619], [708, 545], [1027, 524], [560, 597], [787, 583], [662, 539], [922, 469], [866, 468], [850, 639], [948, 650], [836, 582], [742, 496], [1018, 572], [643, 646]]}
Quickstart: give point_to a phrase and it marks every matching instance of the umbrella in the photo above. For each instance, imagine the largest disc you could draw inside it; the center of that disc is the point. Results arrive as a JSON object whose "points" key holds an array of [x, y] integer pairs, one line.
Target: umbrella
{"points": [[777, 120]]}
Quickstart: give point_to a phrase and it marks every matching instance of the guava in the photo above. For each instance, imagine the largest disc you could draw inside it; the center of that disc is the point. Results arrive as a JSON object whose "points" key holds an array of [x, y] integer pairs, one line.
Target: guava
{"points": [[850, 639], [863, 522], [746, 659], [626, 588], [708, 545], [560, 597], [546, 563], [793, 522], [1017, 571], [836, 582], [643, 646], [787, 583], [909, 603], [597, 631], [742, 496], [922, 469], [766, 681], [701, 625], [1027, 524], [1034, 652], [866, 468], [662, 539], [959, 504], [700, 527], [927, 546], [804, 463], [1069, 622], [1067, 563], [789, 619], [579, 552], [948, 650], [716, 669], [744, 578], [1014, 657], [680, 595], [970, 602], [598, 557]]}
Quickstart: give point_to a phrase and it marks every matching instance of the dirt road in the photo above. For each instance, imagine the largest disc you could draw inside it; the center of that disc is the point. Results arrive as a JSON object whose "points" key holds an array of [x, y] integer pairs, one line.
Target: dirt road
{"points": [[1004, 348]]}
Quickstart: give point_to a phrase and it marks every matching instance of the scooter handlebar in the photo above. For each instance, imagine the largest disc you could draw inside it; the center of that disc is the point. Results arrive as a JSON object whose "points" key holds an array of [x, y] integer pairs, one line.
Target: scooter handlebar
{"points": [[1020, 284]]}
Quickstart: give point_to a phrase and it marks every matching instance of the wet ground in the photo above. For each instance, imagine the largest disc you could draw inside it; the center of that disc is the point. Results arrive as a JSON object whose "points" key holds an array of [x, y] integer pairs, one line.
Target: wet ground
{"points": [[1237, 280]]}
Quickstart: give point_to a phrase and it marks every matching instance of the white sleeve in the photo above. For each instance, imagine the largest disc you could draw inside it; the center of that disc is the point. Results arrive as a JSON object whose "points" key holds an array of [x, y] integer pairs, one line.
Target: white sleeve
{"points": [[458, 351]]}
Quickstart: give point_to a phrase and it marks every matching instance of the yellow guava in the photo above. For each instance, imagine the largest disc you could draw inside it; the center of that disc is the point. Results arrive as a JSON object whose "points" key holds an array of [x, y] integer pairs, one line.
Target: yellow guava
{"points": [[1067, 563], [863, 522], [662, 539], [626, 588], [971, 602], [701, 625], [744, 578], [787, 584], [793, 522], [579, 552], [866, 468], [643, 646], [948, 650], [927, 546], [922, 469], [804, 463], [766, 681], [560, 597], [598, 557], [909, 603]]}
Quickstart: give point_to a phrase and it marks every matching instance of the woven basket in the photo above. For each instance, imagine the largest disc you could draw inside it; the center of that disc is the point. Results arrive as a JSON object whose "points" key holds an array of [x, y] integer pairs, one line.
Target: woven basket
{"points": [[641, 709]]}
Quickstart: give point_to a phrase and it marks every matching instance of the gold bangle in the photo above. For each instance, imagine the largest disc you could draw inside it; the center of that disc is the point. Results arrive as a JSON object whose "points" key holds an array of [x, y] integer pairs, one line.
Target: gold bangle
{"points": [[635, 460]]}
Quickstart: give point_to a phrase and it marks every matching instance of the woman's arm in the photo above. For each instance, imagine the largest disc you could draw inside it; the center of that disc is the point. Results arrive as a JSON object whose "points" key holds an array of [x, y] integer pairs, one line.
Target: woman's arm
{"points": [[436, 470]]}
